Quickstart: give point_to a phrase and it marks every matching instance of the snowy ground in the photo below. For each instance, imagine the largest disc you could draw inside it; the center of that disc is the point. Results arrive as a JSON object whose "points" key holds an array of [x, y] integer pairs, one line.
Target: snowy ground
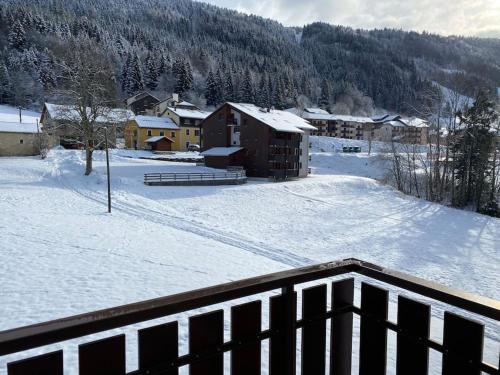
{"points": [[11, 114], [63, 255]]}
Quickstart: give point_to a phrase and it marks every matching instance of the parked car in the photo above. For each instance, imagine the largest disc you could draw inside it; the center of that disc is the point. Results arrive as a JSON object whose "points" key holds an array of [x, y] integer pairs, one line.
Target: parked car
{"points": [[193, 147]]}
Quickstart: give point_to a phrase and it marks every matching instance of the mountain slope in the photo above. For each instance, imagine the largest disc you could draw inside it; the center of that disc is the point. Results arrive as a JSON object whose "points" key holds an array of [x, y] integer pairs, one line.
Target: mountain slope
{"points": [[393, 67]]}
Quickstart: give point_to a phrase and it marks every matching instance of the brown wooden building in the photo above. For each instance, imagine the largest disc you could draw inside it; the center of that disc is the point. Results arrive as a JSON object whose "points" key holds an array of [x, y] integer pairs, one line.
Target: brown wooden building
{"points": [[273, 143], [141, 103]]}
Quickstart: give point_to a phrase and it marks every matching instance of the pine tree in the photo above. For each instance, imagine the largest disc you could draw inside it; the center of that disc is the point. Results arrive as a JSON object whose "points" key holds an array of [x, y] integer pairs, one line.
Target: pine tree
{"points": [[220, 87], [247, 91], [125, 73], [211, 93], [325, 98], [228, 88], [135, 80], [17, 36], [263, 98], [184, 76], [151, 74], [46, 71], [5, 84], [473, 154]]}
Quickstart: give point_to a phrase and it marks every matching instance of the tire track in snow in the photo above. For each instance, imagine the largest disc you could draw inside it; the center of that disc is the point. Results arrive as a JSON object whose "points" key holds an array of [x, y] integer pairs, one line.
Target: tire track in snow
{"points": [[182, 224]]}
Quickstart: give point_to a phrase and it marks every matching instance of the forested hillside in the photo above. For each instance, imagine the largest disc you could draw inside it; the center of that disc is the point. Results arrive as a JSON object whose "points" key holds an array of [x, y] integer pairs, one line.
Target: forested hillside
{"points": [[213, 54]]}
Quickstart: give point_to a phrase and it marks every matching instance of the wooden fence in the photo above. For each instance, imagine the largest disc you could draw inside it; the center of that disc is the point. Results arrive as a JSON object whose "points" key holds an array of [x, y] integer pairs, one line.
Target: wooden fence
{"points": [[172, 177]]}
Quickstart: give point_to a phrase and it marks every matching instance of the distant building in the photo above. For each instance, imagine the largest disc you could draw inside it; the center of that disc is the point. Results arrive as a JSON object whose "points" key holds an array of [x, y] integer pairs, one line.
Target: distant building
{"points": [[63, 123], [141, 103], [173, 101], [266, 142], [411, 130], [18, 139], [333, 125], [152, 133]]}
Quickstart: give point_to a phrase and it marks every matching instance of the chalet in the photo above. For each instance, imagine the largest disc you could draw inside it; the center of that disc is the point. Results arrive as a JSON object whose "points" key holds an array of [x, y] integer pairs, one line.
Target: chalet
{"points": [[333, 125], [173, 101], [18, 139], [266, 142], [152, 133], [188, 120], [411, 130], [141, 103], [62, 122]]}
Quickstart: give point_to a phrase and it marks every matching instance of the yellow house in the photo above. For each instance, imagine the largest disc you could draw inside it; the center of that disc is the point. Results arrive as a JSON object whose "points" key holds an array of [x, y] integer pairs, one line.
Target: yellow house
{"points": [[188, 120], [139, 132]]}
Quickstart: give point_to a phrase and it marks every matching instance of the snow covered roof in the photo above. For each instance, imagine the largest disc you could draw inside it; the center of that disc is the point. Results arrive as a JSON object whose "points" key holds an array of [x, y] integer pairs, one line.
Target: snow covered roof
{"points": [[321, 114], [9, 120], [157, 138], [416, 122], [190, 113], [317, 111], [69, 113], [153, 122], [140, 96], [221, 151], [16, 127], [282, 121]]}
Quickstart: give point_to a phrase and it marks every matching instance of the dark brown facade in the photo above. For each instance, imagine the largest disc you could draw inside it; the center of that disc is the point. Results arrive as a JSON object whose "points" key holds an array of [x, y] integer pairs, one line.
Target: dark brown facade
{"points": [[142, 102], [223, 162], [267, 152]]}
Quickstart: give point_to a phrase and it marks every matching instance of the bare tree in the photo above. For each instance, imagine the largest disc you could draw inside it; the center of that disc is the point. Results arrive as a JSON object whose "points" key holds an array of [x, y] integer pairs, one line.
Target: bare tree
{"points": [[89, 90]]}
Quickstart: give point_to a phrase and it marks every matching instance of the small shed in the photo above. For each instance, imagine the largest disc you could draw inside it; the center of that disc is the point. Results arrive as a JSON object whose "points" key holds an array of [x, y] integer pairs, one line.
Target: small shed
{"points": [[223, 157], [159, 143]]}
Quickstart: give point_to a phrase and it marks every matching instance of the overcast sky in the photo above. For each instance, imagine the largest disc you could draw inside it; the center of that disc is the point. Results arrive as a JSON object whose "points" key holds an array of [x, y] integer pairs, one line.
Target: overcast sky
{"points": [[462, 17]]}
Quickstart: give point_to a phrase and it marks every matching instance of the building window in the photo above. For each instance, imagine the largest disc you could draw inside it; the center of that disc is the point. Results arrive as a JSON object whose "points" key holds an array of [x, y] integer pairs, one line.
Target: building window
{"points": [[150, 133], [197, 133], [187, 144], [21, 141], [187, 131], [162, 134], [172, 134]]}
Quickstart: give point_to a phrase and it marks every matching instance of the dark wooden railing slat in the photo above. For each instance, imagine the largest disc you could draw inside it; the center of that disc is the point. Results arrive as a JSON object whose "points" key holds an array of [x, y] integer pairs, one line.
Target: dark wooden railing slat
{"points": [[414, 322], [341, 328], [158, 345], [45, 364], [373, 333], [205, 336], [102, 357], [463, 345], [314, 332], [278, 346], [246, 324]]}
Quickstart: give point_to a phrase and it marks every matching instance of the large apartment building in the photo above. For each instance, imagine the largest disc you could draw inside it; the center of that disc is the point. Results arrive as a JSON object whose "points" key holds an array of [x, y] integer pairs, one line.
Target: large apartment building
{"points": [[266, 142], [333, 125], [383, 128]]}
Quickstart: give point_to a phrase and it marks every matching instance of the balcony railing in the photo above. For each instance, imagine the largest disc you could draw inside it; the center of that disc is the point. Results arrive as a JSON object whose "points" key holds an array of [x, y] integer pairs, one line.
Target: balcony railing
{"points": [[158, 353]]}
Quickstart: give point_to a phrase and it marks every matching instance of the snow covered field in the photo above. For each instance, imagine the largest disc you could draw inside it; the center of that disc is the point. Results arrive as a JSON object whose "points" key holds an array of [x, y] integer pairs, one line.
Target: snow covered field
{"points": [[63, 255]]}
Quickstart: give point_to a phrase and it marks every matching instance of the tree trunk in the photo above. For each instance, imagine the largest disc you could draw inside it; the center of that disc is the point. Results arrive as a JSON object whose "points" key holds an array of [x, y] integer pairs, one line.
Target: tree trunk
{"points": [[88, 160]]}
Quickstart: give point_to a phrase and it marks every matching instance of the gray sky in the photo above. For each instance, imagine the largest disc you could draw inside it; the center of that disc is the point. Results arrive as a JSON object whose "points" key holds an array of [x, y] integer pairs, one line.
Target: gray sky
{"points": [[462, 17]]}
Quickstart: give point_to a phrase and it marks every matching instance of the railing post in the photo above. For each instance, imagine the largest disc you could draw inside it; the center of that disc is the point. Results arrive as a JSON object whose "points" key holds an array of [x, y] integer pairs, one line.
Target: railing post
{"points": [[289, 333]]}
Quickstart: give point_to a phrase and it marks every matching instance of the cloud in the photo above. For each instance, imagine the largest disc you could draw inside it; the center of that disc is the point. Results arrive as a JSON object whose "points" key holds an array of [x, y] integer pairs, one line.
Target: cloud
{"points": [[459, 17]]}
